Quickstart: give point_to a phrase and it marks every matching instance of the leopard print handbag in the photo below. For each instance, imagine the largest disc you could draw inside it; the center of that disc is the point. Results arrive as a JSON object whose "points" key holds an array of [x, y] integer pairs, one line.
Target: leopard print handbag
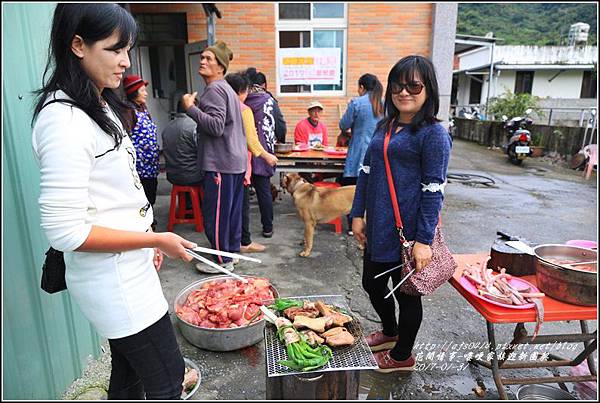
{"points": [[437, 272]]}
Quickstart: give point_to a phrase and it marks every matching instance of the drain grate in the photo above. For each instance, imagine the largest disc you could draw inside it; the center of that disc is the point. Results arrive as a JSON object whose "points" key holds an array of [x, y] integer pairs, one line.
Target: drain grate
{"points": [[355, 357]]}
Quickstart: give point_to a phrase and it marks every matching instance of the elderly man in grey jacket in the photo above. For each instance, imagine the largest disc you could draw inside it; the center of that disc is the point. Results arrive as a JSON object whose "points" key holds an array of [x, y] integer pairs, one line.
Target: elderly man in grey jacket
{"points": [[224, 155], [180, 149]]}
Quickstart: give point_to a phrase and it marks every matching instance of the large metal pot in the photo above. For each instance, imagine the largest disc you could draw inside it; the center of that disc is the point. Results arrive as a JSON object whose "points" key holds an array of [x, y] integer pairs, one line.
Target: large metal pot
{"points": [[562, 283], [218, 339], [542, 392]]}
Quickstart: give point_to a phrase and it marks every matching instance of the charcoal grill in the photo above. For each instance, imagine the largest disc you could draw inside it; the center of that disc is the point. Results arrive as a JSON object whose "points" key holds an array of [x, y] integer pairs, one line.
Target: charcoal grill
{"points": [[347, 358]]}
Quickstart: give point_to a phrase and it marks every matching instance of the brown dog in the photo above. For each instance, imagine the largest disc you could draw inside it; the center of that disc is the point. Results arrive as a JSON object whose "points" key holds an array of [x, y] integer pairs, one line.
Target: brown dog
{"points": [[316, 204]]}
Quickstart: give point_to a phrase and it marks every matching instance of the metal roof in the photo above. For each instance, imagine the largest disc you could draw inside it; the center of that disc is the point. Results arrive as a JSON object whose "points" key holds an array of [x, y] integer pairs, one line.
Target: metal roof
{"points": [[484, 69], [464, 43]]}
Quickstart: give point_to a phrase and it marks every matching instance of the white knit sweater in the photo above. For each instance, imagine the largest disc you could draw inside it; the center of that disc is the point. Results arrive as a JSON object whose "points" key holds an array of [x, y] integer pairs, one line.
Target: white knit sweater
{"points": [[119, 293]]}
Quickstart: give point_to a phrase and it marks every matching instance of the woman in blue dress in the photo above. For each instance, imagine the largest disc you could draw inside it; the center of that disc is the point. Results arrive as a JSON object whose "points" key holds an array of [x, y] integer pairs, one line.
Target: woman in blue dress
{"points": [[418, 153], [361, 117]]}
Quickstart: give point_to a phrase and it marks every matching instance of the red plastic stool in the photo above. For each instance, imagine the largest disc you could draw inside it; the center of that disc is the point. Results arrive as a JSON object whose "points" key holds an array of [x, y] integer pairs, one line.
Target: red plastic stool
{"points": [[178, 211], [336, 221]]}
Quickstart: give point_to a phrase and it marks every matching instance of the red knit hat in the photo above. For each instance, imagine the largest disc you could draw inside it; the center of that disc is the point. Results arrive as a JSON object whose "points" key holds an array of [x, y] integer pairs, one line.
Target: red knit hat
{"points": [[133, 83]]}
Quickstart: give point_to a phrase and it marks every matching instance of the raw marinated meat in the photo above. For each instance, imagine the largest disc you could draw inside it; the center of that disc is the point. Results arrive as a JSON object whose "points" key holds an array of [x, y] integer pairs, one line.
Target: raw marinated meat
{"points": [[226, 303]]}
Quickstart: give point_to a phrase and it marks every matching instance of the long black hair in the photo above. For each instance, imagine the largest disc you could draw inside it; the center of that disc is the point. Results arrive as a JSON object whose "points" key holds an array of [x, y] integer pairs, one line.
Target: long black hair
{"points": [[405, 71], [371, 83], [93, 22]]}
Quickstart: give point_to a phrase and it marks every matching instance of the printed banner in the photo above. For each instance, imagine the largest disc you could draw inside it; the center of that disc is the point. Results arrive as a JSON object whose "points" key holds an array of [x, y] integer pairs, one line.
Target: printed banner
{"points": [[305, 66]]}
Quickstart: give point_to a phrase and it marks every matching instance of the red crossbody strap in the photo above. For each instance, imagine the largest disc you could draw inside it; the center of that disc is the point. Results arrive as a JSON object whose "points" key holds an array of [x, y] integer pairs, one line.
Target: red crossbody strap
{"points": [[390, 180]]}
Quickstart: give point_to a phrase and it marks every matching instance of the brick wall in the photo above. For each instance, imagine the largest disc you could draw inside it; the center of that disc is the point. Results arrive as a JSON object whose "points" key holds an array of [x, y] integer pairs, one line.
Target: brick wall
{"points": [[379, 34]]}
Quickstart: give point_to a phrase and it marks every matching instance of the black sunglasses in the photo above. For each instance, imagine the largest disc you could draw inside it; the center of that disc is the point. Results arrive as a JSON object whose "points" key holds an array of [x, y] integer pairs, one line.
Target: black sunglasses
{"points": [[411, 88]]}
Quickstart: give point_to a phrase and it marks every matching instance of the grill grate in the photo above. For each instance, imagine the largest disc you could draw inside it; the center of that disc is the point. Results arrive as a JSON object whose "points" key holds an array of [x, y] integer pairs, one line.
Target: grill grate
{"points": [[357, 356]]}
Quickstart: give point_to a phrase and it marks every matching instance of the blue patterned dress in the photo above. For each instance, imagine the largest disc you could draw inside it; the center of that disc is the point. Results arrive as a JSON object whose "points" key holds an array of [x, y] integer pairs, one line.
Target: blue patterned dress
{"points": [[145, 141]]}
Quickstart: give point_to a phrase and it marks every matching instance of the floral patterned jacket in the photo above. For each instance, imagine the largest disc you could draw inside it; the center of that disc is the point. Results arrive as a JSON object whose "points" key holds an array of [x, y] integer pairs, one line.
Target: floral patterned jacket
{"points": [[145, 141]]}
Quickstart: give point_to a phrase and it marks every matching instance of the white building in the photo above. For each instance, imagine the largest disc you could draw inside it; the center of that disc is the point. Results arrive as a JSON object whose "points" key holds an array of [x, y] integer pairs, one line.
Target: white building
{"points": [[564, 77]]}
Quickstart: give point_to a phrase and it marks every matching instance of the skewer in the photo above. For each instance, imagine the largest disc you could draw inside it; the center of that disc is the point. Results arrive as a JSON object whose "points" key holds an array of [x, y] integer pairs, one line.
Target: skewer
{"points": [[400, 283], [387, 271]]}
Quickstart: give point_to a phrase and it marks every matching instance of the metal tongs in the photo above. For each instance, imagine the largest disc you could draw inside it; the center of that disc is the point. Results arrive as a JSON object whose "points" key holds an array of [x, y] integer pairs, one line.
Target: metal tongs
{"points": [[400, 283], [387, 271], [226, 254], [219, 253]]}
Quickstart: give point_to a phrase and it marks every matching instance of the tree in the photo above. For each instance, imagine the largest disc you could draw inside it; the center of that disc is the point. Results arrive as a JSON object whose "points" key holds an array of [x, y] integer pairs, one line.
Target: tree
{"points": [[513, 105]]}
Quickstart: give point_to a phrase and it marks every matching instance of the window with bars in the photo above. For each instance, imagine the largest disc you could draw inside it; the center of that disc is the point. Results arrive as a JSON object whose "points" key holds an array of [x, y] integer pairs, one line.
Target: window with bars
{"points": [[589, 85], [161, 28], [475, 90], [165, 35], [524, 82], [313, 25]]}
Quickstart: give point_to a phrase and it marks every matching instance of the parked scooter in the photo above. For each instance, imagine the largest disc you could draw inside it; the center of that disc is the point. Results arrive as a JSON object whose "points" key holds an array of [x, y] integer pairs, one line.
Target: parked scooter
{"points": [[472, 113], [451, 127], [519, 137]]}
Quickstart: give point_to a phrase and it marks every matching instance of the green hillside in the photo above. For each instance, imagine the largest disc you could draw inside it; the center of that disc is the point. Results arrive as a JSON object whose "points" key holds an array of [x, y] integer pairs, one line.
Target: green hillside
{"points": [[526, 23]]}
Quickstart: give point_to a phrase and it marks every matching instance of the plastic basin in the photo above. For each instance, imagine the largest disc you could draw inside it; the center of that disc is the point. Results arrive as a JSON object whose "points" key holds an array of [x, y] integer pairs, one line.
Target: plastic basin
{"points": [[582, 243]]}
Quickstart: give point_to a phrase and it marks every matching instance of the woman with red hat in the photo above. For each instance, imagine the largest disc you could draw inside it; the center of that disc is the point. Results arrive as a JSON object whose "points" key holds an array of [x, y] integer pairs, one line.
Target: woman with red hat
{"points": [[143, 136]]}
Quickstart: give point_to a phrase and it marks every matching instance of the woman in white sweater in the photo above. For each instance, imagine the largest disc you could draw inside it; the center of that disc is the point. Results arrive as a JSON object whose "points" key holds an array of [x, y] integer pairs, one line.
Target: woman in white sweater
{"points": [[93, 205]]}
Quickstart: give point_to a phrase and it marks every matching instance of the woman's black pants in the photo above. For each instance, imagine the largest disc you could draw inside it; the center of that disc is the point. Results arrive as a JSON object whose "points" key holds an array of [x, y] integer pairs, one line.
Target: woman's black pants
{"points": [[411, 311], [147, 363], [262, 186], [347, 181]]}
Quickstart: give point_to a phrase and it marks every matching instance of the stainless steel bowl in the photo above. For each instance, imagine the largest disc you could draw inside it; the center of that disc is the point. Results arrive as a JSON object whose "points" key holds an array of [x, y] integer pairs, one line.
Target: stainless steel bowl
{"points": [[191, 364], [284, 148], [542, 392], [218, 339], [561, 283]]}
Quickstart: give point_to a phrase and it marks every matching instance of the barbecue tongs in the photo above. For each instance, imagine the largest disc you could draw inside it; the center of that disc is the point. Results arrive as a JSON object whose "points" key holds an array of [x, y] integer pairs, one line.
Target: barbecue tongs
{"points": [[401, 282], [219, 253]]}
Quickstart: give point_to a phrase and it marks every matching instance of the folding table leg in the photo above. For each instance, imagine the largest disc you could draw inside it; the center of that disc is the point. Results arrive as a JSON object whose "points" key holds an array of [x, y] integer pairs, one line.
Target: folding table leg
{"points": [[518, 335], [495, 369], [590, 358]]}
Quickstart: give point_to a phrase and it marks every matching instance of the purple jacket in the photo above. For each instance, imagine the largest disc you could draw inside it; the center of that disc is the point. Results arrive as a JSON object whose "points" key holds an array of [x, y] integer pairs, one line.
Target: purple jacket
{"points": [[262, 104]]}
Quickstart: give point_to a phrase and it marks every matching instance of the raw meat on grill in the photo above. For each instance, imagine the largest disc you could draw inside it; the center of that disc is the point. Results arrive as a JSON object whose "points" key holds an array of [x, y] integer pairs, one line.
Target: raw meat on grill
{"points": [[338, 319], [316, 324], [308, 309], [338, 336]]}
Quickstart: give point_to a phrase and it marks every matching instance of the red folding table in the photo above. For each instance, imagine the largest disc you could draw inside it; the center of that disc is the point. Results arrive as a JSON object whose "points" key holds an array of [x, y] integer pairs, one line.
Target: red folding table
{"points": [[311, 161], [554, 311]]}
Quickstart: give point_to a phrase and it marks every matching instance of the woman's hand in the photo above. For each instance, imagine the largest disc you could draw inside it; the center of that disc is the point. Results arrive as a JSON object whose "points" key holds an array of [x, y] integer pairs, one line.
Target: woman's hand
{"points": [[358, 227], [158, 259], [174, 246], [422, 255], [269, 158]]}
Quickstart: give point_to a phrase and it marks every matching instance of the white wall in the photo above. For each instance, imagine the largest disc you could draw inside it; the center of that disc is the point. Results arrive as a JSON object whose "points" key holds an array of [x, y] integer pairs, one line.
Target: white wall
{"points": [[462, 95], [546, 54], [474, 58], [566, 85], [505, 81], [529, 55], [158, 108]]}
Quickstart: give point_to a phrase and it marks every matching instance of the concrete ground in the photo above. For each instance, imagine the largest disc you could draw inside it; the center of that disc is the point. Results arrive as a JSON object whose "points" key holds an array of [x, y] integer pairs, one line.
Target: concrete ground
{"points": [[541, 201]]}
